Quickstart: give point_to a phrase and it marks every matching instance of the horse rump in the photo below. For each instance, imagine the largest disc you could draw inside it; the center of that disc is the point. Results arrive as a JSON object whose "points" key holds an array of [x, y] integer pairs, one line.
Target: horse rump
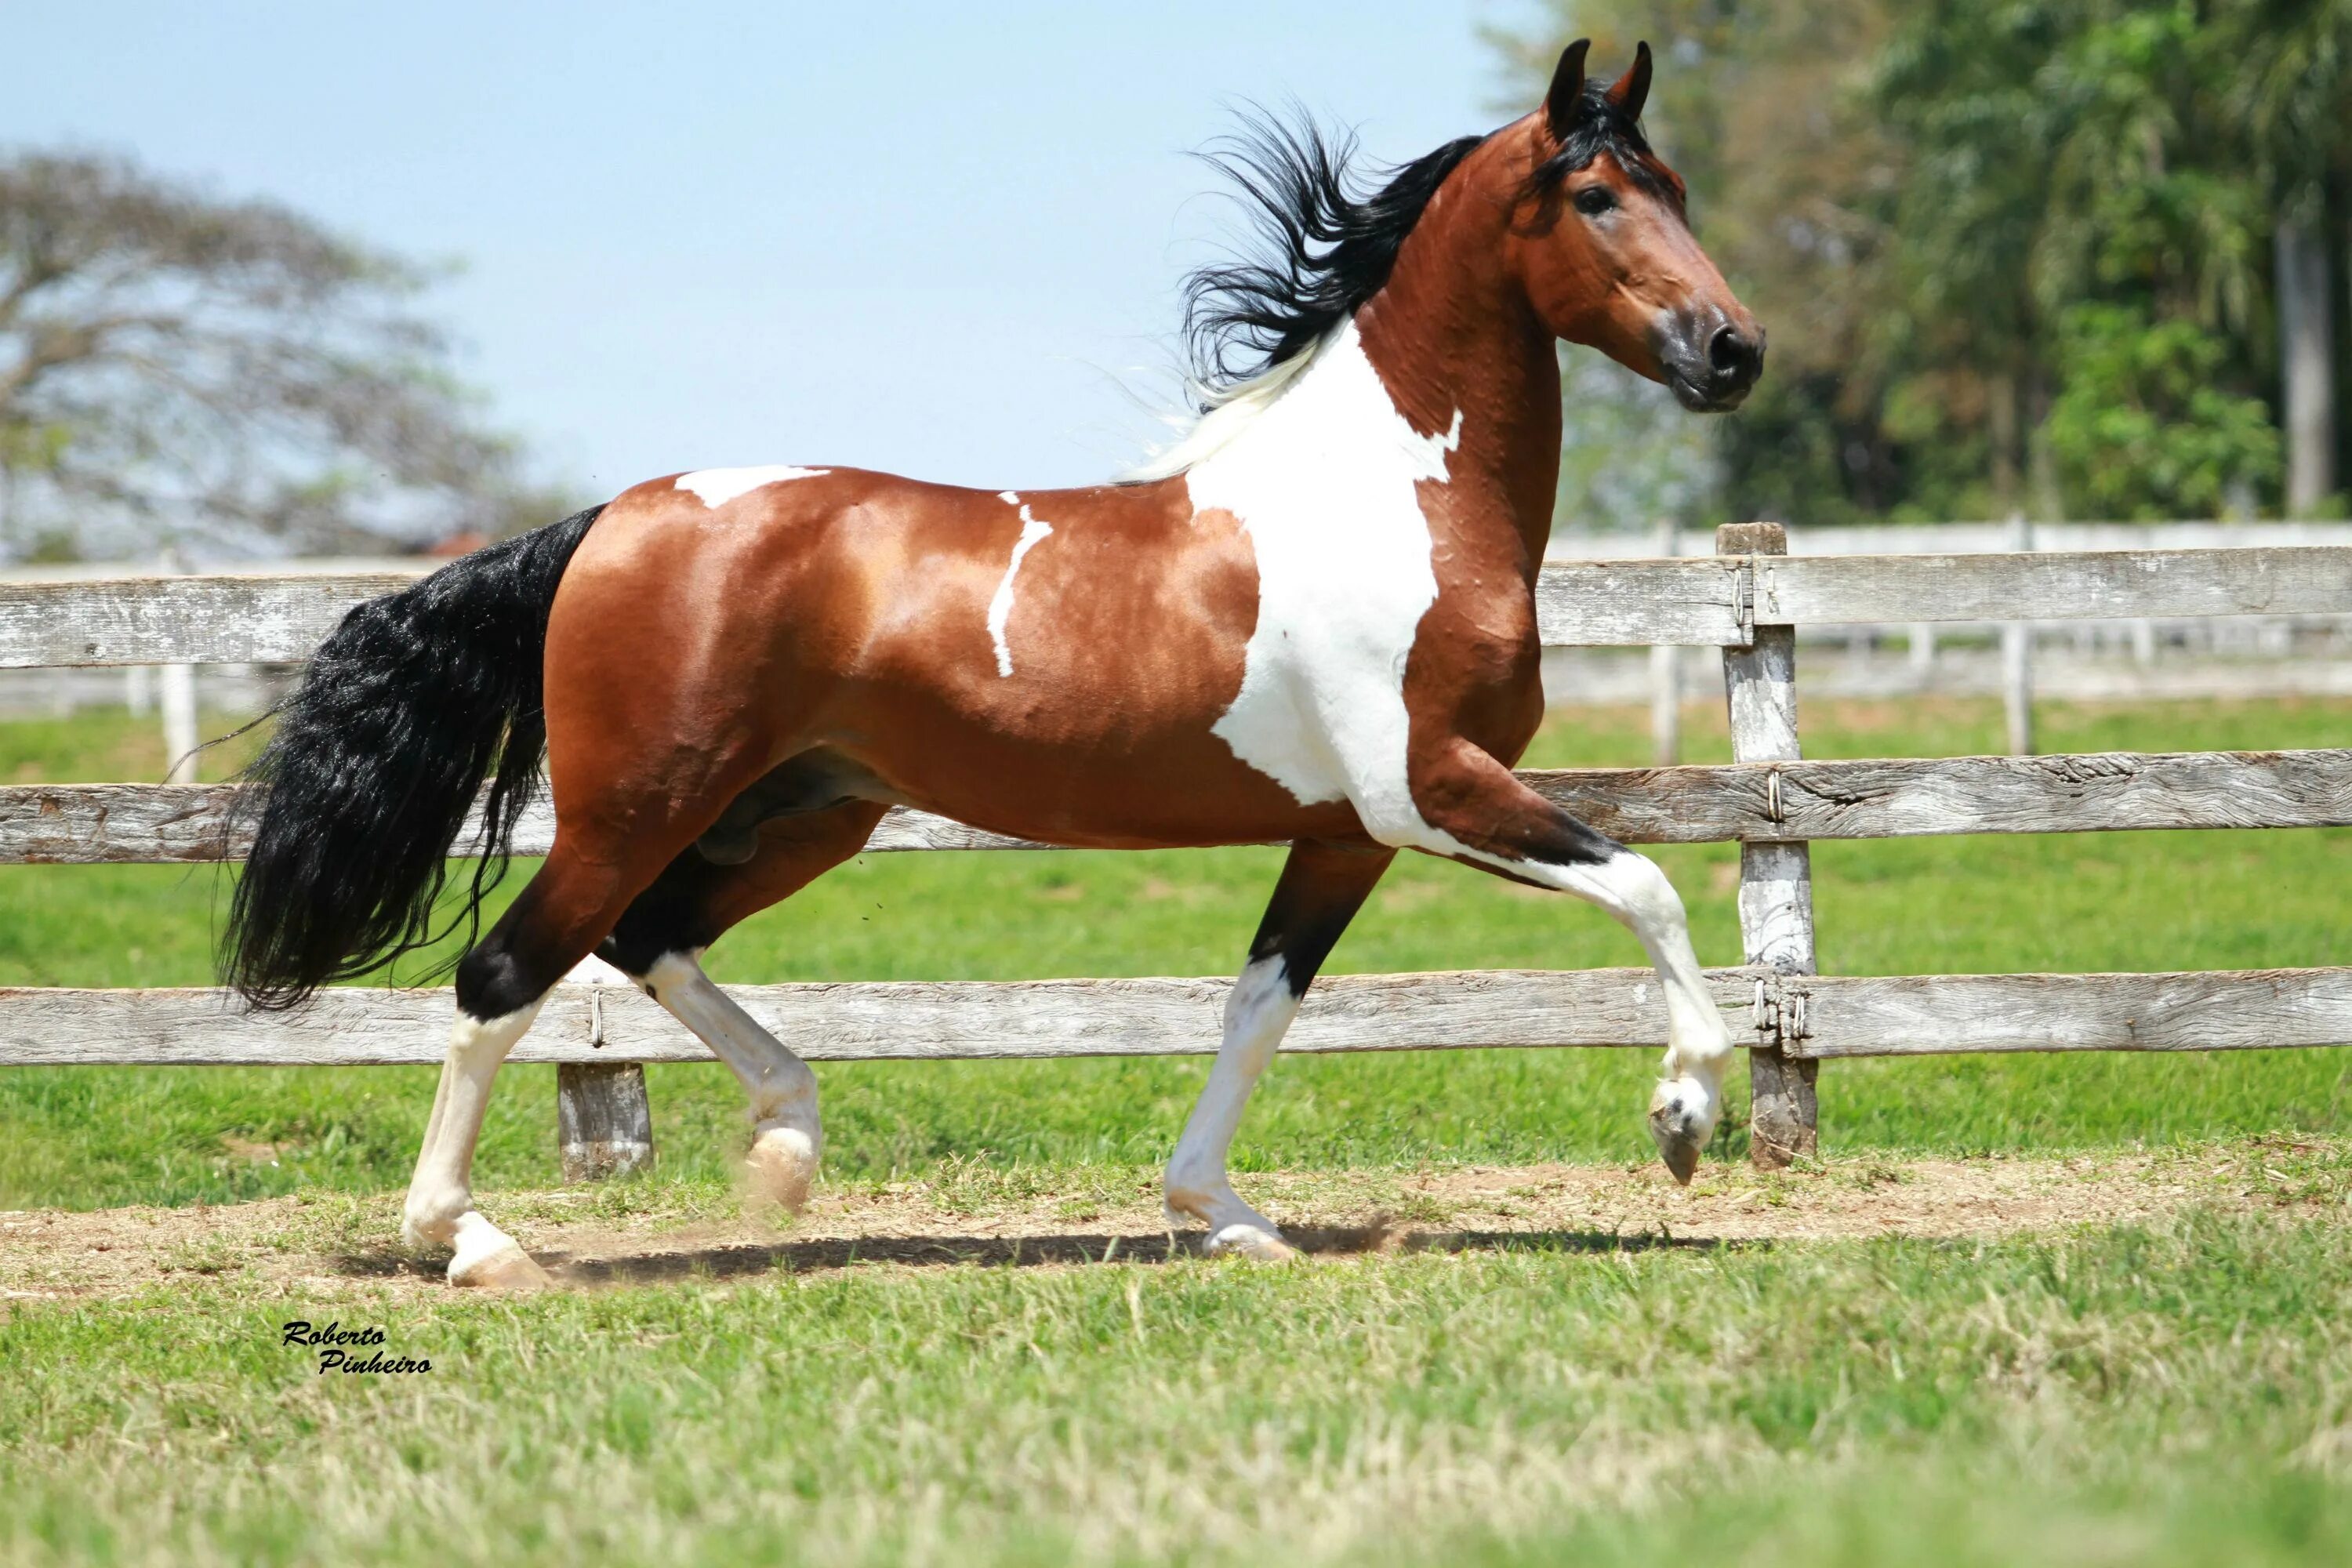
{"points": [[377, 758]]}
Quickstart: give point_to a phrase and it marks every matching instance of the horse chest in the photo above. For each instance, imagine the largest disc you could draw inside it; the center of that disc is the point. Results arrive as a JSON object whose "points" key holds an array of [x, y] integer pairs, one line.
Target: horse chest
{"points": [[1327, 486]]}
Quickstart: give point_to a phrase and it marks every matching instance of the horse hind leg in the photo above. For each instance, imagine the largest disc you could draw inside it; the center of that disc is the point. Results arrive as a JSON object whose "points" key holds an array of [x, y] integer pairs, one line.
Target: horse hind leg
{"points": [[659, 941], [1321, 887], [501, 983]]}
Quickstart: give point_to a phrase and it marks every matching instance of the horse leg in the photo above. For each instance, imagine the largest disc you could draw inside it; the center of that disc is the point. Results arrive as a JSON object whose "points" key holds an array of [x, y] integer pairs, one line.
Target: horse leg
{"points": [[1321, 887], [500, 985], [659, 941], [1484, 816]]}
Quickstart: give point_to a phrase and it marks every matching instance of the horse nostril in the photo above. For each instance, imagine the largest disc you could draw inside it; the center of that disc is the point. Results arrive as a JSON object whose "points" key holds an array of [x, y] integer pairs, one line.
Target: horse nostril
{"points": [[1729, 356]]}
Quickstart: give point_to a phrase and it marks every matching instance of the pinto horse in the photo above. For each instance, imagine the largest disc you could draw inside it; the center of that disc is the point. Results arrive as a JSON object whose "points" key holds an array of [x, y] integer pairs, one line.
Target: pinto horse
{"points": [[1312, 622]]}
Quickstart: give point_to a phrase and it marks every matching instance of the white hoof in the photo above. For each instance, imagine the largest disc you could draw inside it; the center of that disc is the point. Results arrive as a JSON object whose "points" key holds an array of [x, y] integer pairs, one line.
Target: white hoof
{"points": [[1682, 1114], [489, 1259], [781, 1165], [1260, 1243]]}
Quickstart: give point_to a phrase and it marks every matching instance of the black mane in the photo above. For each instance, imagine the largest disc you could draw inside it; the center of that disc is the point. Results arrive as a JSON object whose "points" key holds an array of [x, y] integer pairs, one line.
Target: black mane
{"points": [[1324, 249], [1601, 127], [1325, 246]]}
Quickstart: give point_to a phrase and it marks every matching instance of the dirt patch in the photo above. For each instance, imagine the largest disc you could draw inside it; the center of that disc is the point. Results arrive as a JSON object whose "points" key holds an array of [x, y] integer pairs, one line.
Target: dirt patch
{"points": [[305, 1244]]}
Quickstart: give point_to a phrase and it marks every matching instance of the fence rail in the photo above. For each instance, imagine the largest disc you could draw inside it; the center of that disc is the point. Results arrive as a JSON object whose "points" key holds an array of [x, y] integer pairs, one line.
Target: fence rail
{"points": [[1700, 601], [1806, 1017], [1747, 601], [1896, 797]]}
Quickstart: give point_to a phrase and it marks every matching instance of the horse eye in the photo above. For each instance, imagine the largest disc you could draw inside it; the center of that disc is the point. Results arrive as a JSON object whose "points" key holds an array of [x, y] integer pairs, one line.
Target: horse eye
{"points": [[1594, 200]]}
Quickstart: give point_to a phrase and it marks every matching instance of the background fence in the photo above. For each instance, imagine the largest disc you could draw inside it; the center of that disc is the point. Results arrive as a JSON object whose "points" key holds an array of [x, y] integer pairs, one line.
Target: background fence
{"points": [[1749, 600]]}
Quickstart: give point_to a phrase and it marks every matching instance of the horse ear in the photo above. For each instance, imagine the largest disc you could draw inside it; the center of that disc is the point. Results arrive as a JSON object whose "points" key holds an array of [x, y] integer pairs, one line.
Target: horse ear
{"points": [[1633, 89], [1567, 85]]}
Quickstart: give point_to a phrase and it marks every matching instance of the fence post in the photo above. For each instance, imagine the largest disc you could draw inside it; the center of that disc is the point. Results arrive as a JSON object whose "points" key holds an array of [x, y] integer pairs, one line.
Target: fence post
{"points": [[178, 686], [1776, 878], [2017, 660], [1666, 675], [603, 1124]]}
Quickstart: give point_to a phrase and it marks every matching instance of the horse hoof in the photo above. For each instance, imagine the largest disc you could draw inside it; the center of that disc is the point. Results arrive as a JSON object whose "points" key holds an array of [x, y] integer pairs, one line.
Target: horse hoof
{"points": [[781, 1167], [1681, 1161], [1682, 1118], [508, 1267], [1257, 1243]]}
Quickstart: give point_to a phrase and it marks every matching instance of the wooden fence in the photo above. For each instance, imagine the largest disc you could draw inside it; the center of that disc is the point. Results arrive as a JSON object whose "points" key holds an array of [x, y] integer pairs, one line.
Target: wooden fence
{"points": [[1747, 601]]}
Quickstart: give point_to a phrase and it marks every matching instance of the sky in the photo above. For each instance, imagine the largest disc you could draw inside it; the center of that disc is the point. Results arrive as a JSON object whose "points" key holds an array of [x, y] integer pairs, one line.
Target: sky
{"points": [[940, 240]]}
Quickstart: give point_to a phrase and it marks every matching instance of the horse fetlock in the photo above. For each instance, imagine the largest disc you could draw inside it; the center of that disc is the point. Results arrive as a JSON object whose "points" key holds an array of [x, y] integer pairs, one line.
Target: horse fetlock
{"points": [[428, 1220], [783, 1162]]}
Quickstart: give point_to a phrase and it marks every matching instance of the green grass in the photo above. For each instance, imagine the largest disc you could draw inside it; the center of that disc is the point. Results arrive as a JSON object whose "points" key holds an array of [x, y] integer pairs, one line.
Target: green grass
{"points": [[2169, 1394], [2175, 1393], [83, 1136]]}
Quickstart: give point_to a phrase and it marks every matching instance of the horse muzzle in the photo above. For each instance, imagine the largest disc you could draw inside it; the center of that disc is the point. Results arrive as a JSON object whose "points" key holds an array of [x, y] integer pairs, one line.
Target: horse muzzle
{"points": [[1712, 359]]}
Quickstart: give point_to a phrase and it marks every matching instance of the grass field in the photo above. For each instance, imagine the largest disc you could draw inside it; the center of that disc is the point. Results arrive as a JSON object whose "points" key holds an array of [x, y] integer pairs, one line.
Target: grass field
{"points": [[2166, 1381]]}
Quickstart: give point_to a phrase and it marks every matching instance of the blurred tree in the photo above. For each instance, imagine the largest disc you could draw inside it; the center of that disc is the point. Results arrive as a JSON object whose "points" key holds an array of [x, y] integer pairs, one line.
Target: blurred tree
{"points": [[177, 367], [2289, 83]]}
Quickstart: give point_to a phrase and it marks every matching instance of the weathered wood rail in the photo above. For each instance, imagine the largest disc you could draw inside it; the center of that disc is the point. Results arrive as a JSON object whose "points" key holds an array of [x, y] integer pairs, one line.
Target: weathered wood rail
{"points": [[1745, 600], [1699, 602], [1897, 798]]}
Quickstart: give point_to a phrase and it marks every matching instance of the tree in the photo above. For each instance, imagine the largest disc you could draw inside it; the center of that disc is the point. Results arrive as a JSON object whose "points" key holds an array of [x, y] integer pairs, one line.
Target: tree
{"points": [[178, 367]]}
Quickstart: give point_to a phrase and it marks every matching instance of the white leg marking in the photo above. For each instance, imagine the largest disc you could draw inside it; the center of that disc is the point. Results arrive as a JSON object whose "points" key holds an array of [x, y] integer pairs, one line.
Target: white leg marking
{"points": [[1258, 1012], [1000, 608], [440, 1209], [1689, 1098], [717, 486], [786, 1136]]}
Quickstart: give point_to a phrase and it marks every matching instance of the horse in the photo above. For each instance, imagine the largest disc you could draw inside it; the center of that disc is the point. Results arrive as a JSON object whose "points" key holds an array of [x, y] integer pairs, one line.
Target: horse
{"points": [[1311, 622]]}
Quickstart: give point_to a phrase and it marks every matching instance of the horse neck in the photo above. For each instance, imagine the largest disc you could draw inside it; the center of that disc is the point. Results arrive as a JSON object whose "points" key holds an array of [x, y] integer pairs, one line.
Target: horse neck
{"points": [[1452, 335]]}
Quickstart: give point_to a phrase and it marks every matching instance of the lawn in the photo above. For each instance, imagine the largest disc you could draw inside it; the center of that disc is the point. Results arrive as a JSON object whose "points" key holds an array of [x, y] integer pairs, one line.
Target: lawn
{"points": [[2162, 1378]]}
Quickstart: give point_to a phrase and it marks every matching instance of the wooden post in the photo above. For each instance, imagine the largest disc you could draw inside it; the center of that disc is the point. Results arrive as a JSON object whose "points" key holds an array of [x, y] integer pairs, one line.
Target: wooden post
{"points": [[603, 1124], [2017, 661], [1923, 651], [1776, 878], [1667, 675], [178, 704]]}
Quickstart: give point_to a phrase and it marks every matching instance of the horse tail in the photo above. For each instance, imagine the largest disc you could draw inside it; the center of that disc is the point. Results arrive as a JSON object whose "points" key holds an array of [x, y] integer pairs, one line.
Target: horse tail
{"points": [[377, 758]]}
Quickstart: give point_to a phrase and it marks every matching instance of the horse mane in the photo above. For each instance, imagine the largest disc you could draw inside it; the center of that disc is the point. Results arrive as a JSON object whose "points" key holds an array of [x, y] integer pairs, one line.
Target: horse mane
{"points": [[1324, 244]]}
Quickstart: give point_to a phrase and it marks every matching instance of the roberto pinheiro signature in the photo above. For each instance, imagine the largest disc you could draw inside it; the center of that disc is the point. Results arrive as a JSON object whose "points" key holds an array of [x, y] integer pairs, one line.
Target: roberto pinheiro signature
{"points": [[350, 1350]]}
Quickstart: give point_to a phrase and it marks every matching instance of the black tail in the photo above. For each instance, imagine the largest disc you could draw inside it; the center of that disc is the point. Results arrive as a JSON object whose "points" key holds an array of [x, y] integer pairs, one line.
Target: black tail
{"points": [[377, 758]]}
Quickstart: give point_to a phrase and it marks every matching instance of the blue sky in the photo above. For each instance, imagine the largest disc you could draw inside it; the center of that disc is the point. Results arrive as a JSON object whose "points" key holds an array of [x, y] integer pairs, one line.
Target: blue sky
{"points": [[942, 240]]}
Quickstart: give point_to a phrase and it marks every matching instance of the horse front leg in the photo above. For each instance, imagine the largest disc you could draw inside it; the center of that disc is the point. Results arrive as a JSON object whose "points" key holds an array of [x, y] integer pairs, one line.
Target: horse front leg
{"points": [[1321, 887], [1476, 811]]}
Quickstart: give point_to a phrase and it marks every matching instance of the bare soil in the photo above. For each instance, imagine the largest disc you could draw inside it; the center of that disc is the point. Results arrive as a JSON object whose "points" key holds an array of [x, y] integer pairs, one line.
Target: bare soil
{"points": [[312, 1244]]}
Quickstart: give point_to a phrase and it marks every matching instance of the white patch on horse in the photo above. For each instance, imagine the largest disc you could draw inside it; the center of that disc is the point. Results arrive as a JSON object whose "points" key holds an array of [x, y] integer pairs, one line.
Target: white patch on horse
{"points": [[1000, 608], [717, 486], [1324, 481]]}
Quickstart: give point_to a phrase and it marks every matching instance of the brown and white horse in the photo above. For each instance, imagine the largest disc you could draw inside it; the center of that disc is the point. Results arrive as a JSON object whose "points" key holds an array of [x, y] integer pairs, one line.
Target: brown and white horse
{"points": [[1312, 622]]}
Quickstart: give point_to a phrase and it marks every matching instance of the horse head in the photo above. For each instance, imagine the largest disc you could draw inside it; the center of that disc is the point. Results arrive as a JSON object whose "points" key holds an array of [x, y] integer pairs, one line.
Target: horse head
{"points": [[1604, 252]]}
